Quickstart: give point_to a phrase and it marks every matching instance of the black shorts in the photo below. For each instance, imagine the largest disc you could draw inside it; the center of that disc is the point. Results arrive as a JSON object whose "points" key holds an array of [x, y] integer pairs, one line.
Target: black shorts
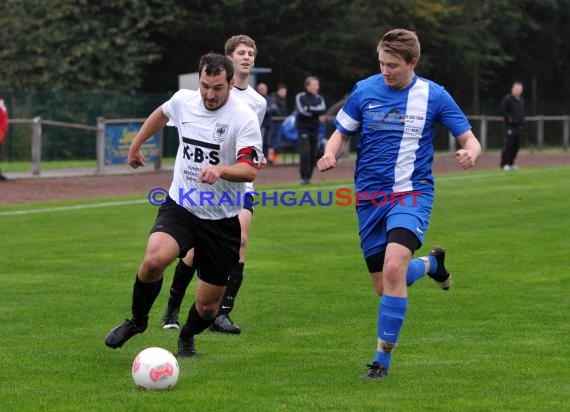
{"points": [[215, 242], [398, 235]]}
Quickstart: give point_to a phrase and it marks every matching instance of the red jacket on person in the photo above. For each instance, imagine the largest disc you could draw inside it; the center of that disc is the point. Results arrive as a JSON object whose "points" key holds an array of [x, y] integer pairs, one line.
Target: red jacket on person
{"points": [[3, 120]]}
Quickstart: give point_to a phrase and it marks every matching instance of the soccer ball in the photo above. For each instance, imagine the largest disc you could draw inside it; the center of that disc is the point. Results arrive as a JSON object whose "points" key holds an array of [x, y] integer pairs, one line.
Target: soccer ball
{"points": [[155, 368]]}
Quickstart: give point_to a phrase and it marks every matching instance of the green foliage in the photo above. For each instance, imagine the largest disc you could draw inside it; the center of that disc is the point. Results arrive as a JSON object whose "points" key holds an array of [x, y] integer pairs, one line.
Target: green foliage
{"points": [[73, 45], [295, 39], [474, 48]]}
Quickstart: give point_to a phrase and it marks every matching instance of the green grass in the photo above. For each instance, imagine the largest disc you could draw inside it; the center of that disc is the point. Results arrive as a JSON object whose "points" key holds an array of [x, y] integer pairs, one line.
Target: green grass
{"points": [[498, 340], [24, 166], [21, 166]]}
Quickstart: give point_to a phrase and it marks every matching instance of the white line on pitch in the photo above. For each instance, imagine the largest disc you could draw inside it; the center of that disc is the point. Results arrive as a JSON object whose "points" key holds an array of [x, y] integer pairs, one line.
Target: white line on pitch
{"points": [[75, 207]]}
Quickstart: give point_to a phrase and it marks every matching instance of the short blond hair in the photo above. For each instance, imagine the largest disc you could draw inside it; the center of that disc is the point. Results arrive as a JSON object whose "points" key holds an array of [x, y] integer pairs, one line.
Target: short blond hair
{"points": [[401, 42]]}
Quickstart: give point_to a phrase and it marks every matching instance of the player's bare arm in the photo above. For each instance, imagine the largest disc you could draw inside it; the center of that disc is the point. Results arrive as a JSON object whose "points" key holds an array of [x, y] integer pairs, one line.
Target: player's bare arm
{"points": [[470, 150], [244, 170], [333, 150], [239, 172], [155, 122]]}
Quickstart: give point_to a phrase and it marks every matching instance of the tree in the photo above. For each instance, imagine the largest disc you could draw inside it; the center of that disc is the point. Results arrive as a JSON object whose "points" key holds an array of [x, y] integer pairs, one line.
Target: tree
{"points": [[73, 45], [541, 53], [471, 47], [332, 39]]}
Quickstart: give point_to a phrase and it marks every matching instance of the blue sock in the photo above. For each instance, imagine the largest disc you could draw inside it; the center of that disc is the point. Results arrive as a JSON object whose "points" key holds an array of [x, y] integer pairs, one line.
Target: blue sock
{"points": [[391, 316], [416, 269], [432, 264]]}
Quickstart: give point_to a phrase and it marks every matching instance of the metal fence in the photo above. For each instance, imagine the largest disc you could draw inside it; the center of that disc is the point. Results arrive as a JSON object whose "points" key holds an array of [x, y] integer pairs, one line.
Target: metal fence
{"points": [[538, 131]]}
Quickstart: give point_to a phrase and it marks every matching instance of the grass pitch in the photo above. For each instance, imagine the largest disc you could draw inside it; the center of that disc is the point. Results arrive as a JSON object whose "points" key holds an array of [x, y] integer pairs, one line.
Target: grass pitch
{"points": [[498, 340]]}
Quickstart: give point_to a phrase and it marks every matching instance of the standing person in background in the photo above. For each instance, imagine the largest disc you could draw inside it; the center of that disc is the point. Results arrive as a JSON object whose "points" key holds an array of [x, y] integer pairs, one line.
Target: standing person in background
{"points": [[310, 107], [512, 110], [279, 111], [266, 123], [3, 130], [395, 113], [241, 50]]}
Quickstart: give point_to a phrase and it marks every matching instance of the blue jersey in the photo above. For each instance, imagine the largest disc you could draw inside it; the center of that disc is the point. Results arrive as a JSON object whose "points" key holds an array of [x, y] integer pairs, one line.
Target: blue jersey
{"points": [[396, 126]]}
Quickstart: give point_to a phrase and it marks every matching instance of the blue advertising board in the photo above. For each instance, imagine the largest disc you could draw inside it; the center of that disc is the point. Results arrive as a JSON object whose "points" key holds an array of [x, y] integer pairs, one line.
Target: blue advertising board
{"points": [[118, 138]]}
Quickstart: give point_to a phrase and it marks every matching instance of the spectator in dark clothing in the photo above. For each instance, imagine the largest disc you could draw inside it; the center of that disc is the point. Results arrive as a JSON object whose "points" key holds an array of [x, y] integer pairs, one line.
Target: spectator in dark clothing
{"points": [[512, 110], [310, 107], [279, 111]]}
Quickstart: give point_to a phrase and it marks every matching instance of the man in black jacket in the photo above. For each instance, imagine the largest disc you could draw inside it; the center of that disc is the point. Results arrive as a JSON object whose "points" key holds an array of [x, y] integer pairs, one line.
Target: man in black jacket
{"points": [[310, 107], [512, 109]]}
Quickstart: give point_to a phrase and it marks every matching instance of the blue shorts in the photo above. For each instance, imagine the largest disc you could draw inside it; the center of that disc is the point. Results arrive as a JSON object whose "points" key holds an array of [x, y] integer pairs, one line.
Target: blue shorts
{"points": [[397, 210]]}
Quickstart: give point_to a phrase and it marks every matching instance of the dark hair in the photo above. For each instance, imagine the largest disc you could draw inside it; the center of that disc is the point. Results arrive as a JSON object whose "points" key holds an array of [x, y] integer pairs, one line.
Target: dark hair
{"points": [[213, 64]]}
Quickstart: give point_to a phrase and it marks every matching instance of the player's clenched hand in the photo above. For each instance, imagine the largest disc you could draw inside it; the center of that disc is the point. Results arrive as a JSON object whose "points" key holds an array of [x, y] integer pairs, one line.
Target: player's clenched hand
{"points": [[263, 162], [327, 162], [210, 175], [465, 158], [135, 158]]}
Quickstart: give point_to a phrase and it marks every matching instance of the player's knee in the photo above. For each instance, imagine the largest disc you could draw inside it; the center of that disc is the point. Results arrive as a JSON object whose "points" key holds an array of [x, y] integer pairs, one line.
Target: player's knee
{"points": [[391, 272], [207, 310], [153, 266]]}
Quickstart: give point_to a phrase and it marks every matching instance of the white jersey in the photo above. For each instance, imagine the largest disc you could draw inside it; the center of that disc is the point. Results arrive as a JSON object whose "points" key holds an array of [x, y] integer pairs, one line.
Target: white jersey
{"points": [[258, 104], [209, 137], [253, 99]]}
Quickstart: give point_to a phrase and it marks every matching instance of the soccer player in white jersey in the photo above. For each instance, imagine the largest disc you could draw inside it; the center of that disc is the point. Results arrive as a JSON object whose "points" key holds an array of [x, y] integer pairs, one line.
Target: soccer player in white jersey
{"points": [[395, 113], [220, 149], [241, 50]]}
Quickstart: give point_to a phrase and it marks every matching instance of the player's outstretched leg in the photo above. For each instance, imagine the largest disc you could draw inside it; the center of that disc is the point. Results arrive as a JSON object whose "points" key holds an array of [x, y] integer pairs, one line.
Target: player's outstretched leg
{"points": [[223, 323], [183, 275], [123, 332], [416, 270], [435, 261], [144, 295], [437, 270]]}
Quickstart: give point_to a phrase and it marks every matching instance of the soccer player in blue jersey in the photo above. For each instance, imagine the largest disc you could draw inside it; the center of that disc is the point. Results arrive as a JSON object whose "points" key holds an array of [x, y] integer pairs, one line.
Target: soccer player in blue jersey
{"points": [[395, 113]]}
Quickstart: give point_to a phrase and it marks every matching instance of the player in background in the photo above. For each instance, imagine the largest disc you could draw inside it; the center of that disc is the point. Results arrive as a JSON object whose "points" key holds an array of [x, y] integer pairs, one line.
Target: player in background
{"points": [[395, 113], [220, 149], [242, 51]]}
